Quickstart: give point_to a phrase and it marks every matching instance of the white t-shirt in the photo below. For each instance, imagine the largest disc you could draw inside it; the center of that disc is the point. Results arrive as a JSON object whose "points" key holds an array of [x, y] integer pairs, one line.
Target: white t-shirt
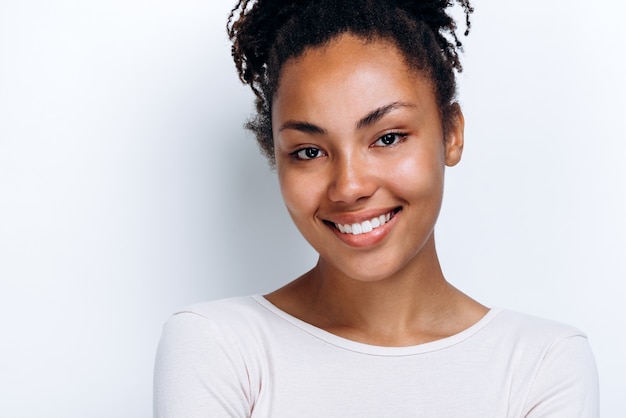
{"points": [[244, 357]]}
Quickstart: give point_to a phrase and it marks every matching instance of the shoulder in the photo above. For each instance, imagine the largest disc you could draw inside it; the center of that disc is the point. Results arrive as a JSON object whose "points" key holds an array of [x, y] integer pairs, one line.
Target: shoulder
{"points": [[554, 359], [541, 342], [527, 329], [225, 321], [526, 343], [208, 350], [231, 309], [226, 332]]}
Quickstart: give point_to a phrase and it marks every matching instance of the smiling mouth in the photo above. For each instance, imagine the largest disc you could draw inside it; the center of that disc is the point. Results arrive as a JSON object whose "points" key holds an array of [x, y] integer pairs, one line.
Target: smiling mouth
{"points": [[365, 226]]}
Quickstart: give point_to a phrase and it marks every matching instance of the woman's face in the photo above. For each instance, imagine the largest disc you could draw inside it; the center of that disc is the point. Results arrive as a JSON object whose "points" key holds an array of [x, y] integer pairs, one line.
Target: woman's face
{"points": [[360, 155]]}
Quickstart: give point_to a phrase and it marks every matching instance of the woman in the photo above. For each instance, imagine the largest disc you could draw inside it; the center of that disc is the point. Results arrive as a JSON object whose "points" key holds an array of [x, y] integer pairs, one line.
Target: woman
{"points": [[356, 110]]}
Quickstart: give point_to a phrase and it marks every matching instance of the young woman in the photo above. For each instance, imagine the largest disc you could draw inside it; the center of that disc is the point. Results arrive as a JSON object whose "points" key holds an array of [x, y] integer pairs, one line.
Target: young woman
{"points": [[356, 110]]}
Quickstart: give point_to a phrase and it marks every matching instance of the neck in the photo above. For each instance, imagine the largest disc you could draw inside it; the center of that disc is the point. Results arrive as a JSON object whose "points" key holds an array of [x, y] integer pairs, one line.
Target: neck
{"points": [[413, 306], [389, 307]]}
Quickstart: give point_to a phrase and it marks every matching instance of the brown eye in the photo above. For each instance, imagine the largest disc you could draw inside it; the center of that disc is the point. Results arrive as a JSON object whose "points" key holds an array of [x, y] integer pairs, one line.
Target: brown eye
{"points": [[389, 139], [308, 153]]}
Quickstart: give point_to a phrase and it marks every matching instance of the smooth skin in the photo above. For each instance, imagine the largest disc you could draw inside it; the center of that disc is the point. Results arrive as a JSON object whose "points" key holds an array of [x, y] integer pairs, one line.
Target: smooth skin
{"points": [[358, 134]]}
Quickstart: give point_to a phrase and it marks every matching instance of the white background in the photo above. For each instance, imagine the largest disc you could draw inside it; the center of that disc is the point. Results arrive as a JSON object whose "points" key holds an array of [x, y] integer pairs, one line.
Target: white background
{"points": [[128, 187]]}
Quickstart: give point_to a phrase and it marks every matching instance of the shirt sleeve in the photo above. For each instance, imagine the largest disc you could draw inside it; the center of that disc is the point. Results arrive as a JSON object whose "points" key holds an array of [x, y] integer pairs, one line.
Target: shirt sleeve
{"points": [[566, 384], [199, 372]]}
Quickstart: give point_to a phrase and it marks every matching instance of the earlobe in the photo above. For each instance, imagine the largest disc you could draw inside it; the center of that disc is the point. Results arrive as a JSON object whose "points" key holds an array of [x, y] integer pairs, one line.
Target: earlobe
{"points": [[454, 137]]}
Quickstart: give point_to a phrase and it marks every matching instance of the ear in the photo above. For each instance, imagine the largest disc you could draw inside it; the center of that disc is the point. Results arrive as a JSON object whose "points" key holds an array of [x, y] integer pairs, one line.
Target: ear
{"points": [[454, 136]]}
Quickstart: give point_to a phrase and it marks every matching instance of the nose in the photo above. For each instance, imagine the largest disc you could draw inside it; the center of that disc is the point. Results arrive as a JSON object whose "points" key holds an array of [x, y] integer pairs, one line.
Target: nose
{"points": [[353, 179]]}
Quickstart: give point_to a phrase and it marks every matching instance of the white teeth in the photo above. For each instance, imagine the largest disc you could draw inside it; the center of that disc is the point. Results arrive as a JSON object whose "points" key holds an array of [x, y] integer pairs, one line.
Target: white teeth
{"points": [[364, 227]]}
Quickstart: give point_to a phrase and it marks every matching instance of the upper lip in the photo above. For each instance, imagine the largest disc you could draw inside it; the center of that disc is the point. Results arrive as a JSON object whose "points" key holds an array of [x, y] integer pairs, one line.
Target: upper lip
{"points": [[358, 217]]}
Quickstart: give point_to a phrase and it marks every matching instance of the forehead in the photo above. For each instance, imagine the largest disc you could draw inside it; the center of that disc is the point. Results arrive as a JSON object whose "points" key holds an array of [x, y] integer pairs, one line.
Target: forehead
{"points": [[348, 74], [341, 54]]}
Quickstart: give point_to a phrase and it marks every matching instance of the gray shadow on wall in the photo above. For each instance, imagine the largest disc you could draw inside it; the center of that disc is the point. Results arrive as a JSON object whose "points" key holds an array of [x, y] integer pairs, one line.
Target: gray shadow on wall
{"points": [[248, 243], [270, 249]]}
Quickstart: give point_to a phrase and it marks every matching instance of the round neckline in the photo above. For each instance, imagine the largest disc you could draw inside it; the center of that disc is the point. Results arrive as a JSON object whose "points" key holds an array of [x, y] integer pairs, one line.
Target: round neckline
{"points": [[378, 350]]}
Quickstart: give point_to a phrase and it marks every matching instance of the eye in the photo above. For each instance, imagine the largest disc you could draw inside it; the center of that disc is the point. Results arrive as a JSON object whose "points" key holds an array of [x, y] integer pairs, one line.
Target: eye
{"points": [[308, 153], [389, 139]]}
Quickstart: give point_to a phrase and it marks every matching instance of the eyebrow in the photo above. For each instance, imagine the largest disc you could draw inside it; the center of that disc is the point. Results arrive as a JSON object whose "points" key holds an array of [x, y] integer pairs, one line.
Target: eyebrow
{"points": [[369, 119], [377, 114], [305, 127]]}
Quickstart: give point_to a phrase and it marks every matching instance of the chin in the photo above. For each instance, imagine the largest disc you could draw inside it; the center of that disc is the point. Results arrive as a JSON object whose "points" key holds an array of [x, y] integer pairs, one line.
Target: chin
{"points": [[363, 272]]}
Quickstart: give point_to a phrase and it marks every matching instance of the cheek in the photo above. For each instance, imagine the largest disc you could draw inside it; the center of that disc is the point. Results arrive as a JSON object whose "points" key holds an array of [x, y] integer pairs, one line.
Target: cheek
{"points": [[420, 176], [298, 193]]}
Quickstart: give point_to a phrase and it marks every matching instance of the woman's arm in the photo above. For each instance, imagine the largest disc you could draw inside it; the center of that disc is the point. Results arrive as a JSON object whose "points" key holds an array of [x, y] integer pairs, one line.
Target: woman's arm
{"points": [[198, 371]]}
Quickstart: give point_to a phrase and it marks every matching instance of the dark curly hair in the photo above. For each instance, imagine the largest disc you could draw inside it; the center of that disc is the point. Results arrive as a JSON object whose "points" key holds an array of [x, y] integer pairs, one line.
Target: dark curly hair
{"points": [[267, 33]]}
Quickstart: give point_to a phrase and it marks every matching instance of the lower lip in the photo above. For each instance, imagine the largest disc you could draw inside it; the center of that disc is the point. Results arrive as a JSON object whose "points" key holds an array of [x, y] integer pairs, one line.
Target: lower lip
{"points": [[369, 239]]}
